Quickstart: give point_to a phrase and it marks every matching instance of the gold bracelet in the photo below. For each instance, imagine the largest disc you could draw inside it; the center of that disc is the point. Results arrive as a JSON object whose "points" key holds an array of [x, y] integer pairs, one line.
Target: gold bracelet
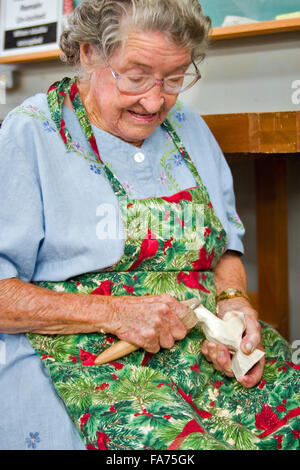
{"points": [[230, 293]]}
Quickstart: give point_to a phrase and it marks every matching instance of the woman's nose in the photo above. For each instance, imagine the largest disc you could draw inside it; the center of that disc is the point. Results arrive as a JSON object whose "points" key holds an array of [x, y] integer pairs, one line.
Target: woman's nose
{"points": [[154, 99]]}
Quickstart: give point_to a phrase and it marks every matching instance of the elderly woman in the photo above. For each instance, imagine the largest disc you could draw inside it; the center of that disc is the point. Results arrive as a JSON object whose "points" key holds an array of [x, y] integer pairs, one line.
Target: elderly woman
{"points": [[111, 186]]}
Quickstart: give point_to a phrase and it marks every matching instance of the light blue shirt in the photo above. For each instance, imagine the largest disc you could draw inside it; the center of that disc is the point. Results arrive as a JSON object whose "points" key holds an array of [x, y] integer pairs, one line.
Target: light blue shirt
{"points": [[49, 220]]}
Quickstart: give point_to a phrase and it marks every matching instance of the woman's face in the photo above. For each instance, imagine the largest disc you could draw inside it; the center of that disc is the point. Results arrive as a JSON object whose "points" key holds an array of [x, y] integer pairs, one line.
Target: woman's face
{"points": [[134, 117]]}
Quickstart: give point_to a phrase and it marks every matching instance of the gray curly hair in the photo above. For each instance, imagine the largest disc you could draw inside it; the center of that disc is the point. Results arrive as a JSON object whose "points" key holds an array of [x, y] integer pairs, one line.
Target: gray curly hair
{"points": [[99, 22]]}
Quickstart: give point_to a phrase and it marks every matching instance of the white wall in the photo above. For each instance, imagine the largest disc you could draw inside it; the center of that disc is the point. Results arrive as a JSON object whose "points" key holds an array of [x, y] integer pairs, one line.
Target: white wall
{"points": [[239, 75], [33, 78], [248, 75]]}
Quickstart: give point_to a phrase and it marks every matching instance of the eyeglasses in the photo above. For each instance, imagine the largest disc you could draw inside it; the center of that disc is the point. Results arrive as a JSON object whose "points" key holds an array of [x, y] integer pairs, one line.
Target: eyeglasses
{"points": [[133, 84]]}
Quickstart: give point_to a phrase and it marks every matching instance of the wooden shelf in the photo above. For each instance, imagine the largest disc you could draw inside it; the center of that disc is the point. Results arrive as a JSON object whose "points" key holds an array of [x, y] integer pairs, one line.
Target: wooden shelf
{"points": [[32, 57], [257, 133], [226, 32], [256, 29]]}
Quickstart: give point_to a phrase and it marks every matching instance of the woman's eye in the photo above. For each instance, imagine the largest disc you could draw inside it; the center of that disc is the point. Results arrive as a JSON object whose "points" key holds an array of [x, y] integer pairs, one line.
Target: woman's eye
{"points": [[137, 79], [175, 81]]}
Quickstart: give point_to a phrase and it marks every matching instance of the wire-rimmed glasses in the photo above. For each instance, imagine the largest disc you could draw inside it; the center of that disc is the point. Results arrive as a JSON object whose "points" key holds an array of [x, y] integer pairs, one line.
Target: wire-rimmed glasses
{"points": [[133, 84]]}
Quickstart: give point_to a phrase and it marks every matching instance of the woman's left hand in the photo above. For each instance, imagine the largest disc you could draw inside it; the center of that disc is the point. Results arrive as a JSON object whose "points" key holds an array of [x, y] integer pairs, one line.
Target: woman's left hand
{"points": [[219, 354]]}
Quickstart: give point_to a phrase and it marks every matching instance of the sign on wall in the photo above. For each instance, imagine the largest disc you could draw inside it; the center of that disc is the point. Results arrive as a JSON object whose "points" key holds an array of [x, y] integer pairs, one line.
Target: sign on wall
{"points": [[29, 25]]}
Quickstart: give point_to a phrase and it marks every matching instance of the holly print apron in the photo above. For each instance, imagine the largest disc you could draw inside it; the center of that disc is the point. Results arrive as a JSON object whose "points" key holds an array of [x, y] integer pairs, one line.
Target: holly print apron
{"points": [[174, 399]]}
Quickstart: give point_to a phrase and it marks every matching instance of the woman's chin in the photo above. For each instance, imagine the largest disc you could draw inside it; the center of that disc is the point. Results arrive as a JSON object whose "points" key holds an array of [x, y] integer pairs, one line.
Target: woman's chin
{"points": [[137, 133]]}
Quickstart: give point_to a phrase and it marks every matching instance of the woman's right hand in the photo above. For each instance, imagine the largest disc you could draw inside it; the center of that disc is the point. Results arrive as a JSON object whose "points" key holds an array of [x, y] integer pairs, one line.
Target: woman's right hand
{"points": [[151, 322]]}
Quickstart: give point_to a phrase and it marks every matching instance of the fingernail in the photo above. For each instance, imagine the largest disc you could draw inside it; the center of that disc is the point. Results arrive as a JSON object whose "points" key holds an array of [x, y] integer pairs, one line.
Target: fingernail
{"points": [[249, 347]]}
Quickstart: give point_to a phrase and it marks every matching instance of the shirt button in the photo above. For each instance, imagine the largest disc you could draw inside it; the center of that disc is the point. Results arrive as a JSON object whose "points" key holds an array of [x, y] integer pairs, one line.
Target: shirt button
{"points": [[139, 157]]}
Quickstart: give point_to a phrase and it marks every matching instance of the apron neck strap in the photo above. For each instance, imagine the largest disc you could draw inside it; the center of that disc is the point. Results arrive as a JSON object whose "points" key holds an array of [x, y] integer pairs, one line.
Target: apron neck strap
{"points": [[55, 97]]}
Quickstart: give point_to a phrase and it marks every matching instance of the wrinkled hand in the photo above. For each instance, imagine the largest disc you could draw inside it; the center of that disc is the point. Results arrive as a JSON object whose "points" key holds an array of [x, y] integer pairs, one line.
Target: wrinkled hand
{"points": [[151, 322], [219, 354]]}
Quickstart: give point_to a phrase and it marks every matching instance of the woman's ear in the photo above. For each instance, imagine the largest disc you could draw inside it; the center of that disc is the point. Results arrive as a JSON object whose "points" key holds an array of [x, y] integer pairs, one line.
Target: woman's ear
{"points": [[89, 57]]}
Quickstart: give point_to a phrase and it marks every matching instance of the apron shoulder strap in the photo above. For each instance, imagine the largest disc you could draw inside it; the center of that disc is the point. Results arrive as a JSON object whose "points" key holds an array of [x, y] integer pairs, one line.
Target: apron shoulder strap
{"points": [[185, 155], [55, 97]]}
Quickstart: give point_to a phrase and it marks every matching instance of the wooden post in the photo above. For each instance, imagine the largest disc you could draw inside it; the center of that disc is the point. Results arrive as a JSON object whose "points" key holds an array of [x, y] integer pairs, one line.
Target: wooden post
{"points": [[272, 242]]}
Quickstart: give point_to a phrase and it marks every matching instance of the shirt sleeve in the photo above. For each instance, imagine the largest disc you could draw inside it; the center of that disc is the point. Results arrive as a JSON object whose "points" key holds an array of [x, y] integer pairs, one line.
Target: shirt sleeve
{"points": [[21, 213], [235, 227]]}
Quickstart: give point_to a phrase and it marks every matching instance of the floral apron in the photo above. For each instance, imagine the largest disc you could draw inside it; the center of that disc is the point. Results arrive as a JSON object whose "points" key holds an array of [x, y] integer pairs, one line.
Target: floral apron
{"points": [[174, 399]]}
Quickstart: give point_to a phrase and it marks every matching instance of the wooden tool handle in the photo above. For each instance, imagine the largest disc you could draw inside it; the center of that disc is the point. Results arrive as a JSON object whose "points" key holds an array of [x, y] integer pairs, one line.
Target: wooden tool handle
{"points": [[117, 350], [122, 348]]}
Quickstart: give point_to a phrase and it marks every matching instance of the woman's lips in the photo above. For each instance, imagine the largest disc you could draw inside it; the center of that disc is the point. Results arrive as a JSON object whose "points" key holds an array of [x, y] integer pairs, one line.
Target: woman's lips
{"points": [[140, 117]]}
